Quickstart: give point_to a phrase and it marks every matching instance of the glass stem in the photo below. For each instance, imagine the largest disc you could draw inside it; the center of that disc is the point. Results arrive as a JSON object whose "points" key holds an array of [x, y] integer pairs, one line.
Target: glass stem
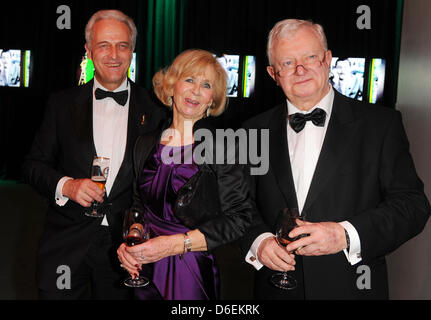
{"points": [[95, 206]]}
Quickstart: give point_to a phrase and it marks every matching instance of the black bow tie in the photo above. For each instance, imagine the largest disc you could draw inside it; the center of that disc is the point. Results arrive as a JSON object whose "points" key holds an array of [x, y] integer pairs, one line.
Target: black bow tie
{"points": [[297, 121], [119, 97]]}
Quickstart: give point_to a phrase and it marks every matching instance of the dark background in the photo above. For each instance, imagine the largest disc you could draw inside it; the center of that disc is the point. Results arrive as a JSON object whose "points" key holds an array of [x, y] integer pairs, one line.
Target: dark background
{"points": [[221, 26]]}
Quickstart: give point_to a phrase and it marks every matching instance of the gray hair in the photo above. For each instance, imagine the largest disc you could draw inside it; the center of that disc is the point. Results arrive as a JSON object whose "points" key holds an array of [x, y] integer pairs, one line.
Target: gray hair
{"points": [[287, 28], [110, 14]]}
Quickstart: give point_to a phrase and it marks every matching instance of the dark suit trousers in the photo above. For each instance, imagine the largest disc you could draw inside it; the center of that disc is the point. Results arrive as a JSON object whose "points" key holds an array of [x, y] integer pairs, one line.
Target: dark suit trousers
{"points": [[99, 277]]}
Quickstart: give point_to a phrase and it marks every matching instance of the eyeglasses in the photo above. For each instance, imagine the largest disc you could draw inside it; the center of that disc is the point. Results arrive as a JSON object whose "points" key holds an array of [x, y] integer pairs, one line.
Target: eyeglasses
{"points": [[289, 66]]}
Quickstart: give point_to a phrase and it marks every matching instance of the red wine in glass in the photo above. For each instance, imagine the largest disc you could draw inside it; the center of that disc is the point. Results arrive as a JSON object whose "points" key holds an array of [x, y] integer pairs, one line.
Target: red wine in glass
{"points": [[133, 241], [283, 241], [283, 238], [135, 235], [285, 225], [135, 232]]}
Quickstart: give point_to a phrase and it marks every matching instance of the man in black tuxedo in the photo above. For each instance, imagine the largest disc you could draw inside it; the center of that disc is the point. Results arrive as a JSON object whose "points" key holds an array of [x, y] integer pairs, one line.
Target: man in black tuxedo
{"points": [[77, 254], [344, 164]]}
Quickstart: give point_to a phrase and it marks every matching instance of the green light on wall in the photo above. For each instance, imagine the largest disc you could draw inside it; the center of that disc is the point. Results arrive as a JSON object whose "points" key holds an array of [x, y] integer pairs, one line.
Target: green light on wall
{"points": [[89, 70], [164, 35]]}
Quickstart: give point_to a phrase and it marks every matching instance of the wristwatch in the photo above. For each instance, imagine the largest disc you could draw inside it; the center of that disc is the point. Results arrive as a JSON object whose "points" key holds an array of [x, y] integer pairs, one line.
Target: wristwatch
{"points": [[187, 243]]}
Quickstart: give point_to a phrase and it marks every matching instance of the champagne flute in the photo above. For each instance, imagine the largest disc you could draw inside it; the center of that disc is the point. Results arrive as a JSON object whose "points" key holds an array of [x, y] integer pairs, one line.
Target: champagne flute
{"points": [[286, 224], [135, 231], [99, 175]]}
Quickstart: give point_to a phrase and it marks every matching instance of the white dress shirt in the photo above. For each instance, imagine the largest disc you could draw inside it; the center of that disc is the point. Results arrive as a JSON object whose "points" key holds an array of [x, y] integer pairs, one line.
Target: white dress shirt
{"points": [[304, 152], [110, 121]]}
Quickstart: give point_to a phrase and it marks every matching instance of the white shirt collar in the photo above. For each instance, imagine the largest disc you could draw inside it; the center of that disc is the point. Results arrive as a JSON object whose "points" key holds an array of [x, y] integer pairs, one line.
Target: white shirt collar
{"points": [[325, 104], [122, 87]]}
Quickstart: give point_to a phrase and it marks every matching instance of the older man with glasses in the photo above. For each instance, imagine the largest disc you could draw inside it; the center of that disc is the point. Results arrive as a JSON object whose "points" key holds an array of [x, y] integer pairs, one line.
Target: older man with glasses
{"points": [[345, 165]]}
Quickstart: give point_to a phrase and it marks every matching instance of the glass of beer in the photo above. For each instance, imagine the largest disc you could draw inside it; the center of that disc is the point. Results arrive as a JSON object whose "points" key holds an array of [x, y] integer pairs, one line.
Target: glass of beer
{"points": [[99, 175]]}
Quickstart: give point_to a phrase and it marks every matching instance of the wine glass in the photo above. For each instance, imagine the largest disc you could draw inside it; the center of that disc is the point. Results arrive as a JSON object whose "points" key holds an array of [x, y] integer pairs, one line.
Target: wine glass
{"points": [[286, 223], [99, 175], [135, 231]]}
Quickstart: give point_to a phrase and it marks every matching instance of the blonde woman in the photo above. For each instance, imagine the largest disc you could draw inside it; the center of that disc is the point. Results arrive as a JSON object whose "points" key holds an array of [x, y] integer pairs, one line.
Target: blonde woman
{"points": [[191, 208]]}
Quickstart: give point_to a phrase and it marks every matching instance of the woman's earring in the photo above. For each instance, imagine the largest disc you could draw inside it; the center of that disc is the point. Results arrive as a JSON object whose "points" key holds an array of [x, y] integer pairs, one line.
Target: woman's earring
{"points": [[209, 109], [171, 101]]}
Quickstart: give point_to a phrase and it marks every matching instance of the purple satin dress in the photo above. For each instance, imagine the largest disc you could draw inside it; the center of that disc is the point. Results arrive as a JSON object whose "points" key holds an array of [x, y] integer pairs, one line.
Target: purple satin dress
{"points": [[195, 277]]}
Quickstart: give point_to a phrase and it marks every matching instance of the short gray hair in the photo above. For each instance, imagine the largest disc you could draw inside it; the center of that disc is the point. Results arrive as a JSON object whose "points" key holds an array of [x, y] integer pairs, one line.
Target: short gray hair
{"points": [[110, 14], [287, 28]]}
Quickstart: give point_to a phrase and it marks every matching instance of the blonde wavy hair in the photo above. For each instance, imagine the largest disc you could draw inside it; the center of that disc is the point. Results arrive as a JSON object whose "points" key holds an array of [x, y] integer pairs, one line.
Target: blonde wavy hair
{"points": [[188, 63]]}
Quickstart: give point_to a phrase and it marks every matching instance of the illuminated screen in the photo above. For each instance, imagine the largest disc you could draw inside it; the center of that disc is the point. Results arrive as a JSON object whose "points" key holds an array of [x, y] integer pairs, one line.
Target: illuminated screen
{"points": [[347, 76], [249, 76], [231, 64], [15, 68], [376, 81], [87, 70]]}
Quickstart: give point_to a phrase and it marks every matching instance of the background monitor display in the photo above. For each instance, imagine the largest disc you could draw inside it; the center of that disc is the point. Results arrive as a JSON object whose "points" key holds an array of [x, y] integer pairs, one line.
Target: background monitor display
{"points": [[376, 81], [231, 65], [359, 78], [86, 70], [15, 66], [241, 73], [249, 76], [132, 69], [347, 76]]}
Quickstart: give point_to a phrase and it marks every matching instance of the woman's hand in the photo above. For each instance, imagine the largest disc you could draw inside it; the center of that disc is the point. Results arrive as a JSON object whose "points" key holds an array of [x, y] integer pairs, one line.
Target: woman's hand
{"points": [[155, 249], [158, 248], [128, 262]]}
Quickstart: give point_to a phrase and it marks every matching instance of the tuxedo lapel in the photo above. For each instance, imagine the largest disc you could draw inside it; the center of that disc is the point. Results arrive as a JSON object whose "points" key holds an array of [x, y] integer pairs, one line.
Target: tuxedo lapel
{"points": [[133, 124], [81, 112], [338, 139], [279, 156], [136, 119]]}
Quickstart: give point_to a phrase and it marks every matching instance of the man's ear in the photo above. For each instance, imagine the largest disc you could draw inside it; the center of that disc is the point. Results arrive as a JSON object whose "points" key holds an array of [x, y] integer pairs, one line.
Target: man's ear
{"points": [[328, 57], [88, 51], [271, 72]]}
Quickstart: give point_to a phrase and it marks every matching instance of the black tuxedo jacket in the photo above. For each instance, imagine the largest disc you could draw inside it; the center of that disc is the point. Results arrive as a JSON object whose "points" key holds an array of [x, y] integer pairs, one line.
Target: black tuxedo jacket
{"points": [[64, 146], [365, 175]]}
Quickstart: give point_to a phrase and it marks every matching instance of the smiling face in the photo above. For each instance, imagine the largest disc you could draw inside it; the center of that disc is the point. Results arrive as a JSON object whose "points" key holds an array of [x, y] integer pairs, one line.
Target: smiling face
{"points": [[111, 52], [193, 95], [306, 86]]}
